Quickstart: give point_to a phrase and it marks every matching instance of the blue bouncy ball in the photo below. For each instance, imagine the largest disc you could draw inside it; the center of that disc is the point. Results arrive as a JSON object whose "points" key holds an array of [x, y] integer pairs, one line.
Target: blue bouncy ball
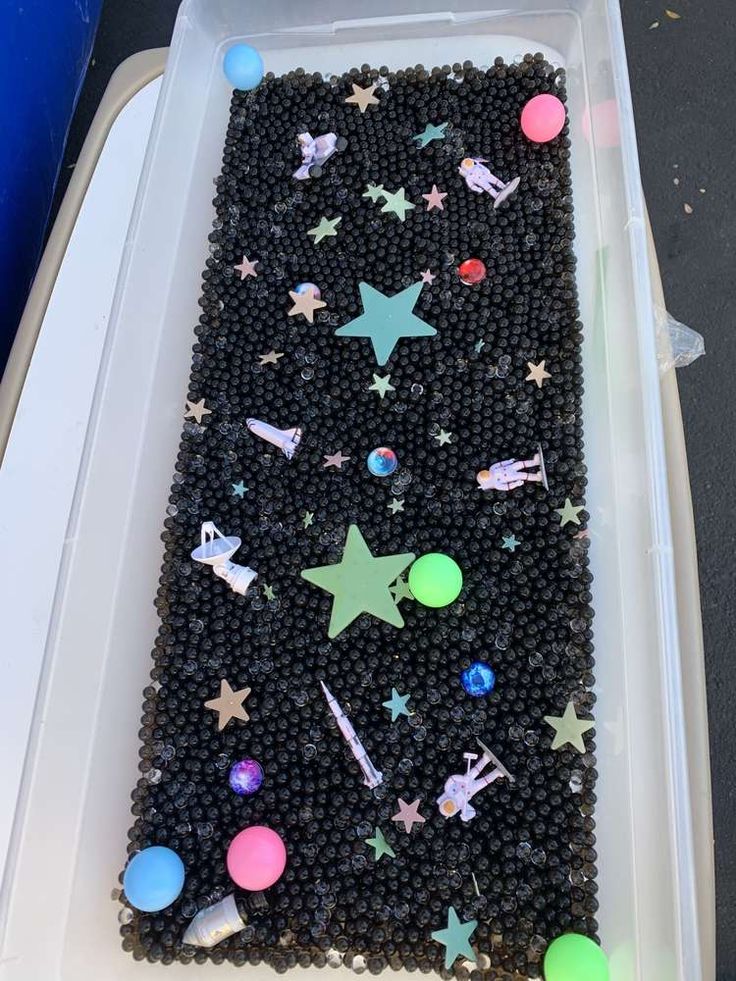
{"points": [[479, 679], [153, 879], [243, 67]]}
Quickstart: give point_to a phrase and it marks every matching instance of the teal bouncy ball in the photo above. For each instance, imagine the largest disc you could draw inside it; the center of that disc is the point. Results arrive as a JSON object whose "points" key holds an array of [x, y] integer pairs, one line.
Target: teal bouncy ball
{"points": [[435, 579], [243, 67], [153, 879]]}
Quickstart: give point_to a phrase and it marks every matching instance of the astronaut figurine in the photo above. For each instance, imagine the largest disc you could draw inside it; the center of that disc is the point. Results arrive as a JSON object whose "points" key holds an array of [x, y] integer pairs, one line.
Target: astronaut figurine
{"points": [[459, 788], [508, 474], [479, 179], [315, 152]]}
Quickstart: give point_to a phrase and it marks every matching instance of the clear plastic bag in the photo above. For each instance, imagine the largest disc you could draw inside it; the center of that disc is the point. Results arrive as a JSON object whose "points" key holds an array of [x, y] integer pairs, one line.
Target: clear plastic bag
{"points": [[677, 344]]}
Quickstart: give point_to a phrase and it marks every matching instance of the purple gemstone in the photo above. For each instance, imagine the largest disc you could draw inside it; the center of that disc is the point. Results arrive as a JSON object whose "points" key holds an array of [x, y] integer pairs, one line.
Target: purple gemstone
{"points": [[246, 777]]}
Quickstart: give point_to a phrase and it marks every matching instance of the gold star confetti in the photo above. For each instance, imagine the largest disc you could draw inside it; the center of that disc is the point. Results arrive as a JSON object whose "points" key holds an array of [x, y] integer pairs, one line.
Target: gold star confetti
{"points": [[537, 373], [568, 728], [271, 358], [305, 303], [229, 705], [362, 98], [195, 410], [247, 268], [381, 385]]}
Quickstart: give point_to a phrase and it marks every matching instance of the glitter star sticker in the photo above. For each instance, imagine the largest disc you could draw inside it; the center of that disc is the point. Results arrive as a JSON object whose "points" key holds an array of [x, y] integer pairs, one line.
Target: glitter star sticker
{"points": [[239, 489], [229, 705], [395, 506], [537, 373], [308, 519], [305, 303], [409, 814], [569, 513], [374, 192], [435, 198], [456, 938], [568, 728], [195, 410], [510, 542], [397, 203], [430, 132], [247, 268], [326, 228], [397, 705], [442, 437], [272, 357], [359, 583], [428, 277], [401, 590], [335, 460], [362, 98], [385, 319], [381, 385], [380, 846]]}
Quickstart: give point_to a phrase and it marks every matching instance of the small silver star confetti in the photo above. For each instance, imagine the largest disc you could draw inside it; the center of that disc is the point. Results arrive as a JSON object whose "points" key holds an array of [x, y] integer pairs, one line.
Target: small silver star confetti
{"points": [[537, 373], [335, 460], [395, 506], [442, 437], [247, 268], [271, 358], [362, 98], [428, 277], [409, 814], [195, 410], [381, 385], [305, 303], [435, 198], [308, 519]]}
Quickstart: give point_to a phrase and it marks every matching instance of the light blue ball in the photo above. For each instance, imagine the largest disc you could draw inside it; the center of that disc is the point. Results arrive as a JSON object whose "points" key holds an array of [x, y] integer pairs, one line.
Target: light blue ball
{"points": [[243, 67], [153, 879]]}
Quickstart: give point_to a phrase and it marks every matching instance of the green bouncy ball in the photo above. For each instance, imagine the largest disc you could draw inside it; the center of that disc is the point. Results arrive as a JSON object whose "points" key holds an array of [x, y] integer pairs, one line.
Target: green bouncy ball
{"points": [[573, 957], [435, 579]]}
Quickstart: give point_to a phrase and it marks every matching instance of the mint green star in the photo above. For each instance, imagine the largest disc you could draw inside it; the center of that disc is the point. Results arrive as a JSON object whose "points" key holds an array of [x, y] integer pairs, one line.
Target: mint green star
{"points": [[381, 385], [268, 592], [239, 489], [443, 437], [510, 542], [307, 519], [431, 132], [380, 845], [479, 346], [401, 590], [397, 705], [395, 506], [569, 513], [397, 203], [359, 583], [374, 192], [326, 227], [387, 318], [569, 728], [456, 938]]}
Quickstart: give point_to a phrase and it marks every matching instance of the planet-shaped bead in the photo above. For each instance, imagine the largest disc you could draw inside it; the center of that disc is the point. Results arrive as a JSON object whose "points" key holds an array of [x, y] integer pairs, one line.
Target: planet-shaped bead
{"points": [[246, 777], [382, 461], [471, 271], [309, 288], [479, 679], [435, 579], [243, 67], [153, 879], [256, 858], [542, 118], [575, 957]]}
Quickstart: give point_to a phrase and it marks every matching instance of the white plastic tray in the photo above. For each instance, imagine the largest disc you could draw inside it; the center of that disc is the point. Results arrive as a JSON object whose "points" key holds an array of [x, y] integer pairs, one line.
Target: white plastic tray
{"points": [[70, 838]]}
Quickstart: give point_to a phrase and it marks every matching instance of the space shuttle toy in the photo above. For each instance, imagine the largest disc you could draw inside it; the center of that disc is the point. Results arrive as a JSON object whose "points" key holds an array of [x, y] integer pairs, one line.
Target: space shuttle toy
{"points": [[287, 440], [459, 788], [373, 777]]}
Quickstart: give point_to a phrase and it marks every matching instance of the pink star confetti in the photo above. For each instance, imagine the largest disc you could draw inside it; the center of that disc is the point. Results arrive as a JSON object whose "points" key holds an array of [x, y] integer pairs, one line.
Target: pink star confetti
{"points": [[428, 277], [335, 460], [581, 535], [247, 268], [409, 814], [435, 198], [306, 304]]}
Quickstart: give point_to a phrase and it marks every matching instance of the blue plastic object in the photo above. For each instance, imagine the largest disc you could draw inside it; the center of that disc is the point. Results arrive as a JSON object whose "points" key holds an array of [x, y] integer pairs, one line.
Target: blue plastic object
{"points": [[46, 47], [479, 679], [243, 66], [153, 879]]}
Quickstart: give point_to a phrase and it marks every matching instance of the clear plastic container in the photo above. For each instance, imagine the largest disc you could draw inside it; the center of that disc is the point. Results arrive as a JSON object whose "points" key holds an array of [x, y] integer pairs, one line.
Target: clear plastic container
{"points": [[70, 833]]}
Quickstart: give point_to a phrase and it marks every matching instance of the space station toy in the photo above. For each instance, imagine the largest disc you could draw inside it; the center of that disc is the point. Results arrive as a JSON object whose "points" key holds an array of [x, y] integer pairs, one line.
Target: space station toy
{"points": [[480, 179], [316, 151], [508, 474], [461, 787], [373, 777]]}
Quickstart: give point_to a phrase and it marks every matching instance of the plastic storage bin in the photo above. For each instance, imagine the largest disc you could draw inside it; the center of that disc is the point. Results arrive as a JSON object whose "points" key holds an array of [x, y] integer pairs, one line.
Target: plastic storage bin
{"points": [[69, 844]]}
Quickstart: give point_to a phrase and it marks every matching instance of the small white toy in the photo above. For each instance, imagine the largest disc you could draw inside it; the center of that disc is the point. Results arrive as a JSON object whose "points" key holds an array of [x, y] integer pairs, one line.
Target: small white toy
{"points": [[508, 474], [317, 150], [480, 179], [215, 550], [373, 777], [459, 788], [287, 440]]}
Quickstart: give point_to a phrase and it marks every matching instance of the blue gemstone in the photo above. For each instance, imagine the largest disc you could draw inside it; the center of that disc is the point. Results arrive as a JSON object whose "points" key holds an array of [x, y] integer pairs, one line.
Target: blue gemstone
{"points": [[479, 679]]}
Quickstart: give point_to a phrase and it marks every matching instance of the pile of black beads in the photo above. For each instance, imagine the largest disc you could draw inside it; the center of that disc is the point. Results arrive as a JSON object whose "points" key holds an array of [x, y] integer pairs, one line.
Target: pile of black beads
{"points": [[531, 847]]}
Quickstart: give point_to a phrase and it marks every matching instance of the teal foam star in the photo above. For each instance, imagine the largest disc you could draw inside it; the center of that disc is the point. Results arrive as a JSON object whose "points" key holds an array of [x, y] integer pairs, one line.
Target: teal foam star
{"points": [[397, 705], [431, 132], [456, 938], [380, 845], [397, 203], [510, 542], [326, 227], [239, 489], [385, 319]]}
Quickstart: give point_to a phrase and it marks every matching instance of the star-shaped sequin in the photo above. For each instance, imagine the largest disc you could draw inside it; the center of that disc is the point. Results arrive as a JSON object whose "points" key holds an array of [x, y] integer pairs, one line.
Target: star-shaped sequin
{"points": [[308, 519], [401, 590], [305, 303], [195, 410], [409, 814], [239, 489], [362, 98], [381, 385], [569, 513], [268, 592], [429, 133], [456, 938], [246, 268], [397, 203], [428, 277], [335, 460], [380, 846], [397, 705], [326, 228], [271, 357], [386, 319], [510, 542], [569, 728], [395, 506], [229, 705], [443, 437], [374, 192], [537, 373], [435, 198]]}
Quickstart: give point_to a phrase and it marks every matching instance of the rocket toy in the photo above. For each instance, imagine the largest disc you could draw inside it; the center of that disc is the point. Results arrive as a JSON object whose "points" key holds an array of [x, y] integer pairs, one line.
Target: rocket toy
{"points": [[287, 440], [373, 777], [459, 788]]}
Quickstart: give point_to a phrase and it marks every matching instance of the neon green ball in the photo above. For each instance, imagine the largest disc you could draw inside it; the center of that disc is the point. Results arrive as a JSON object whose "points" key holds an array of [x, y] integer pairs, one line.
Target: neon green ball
{"points": [[435, 579], [573, 957]]}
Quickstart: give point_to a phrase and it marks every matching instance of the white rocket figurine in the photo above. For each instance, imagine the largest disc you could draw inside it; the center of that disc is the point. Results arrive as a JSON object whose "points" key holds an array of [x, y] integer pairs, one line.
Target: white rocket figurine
{"points": [[287, 440], [459, 788], [373, 777]]}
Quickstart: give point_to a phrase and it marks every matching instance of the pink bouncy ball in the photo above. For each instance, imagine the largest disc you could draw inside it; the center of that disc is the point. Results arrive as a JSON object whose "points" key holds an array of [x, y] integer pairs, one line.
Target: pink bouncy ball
{"points": [[542, 118], [256, 858]]}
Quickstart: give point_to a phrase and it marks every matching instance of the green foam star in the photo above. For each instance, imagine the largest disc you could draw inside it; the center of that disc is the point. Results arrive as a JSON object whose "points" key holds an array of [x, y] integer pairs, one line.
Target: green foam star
{"points": [[359, 583], [326, 227], [374, 192], [380, 845], [431, 132], [307, 519], [397, 705], [268, 592], [456, 938], [387, 318], [510, 542], [239, 489], [568, 728], [381, 385], [397, 203], [401, 590], [569, 513]]}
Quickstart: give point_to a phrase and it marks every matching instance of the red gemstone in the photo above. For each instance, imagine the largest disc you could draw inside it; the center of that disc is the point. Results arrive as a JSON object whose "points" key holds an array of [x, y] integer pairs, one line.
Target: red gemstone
{"points": [[471, 271]]}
